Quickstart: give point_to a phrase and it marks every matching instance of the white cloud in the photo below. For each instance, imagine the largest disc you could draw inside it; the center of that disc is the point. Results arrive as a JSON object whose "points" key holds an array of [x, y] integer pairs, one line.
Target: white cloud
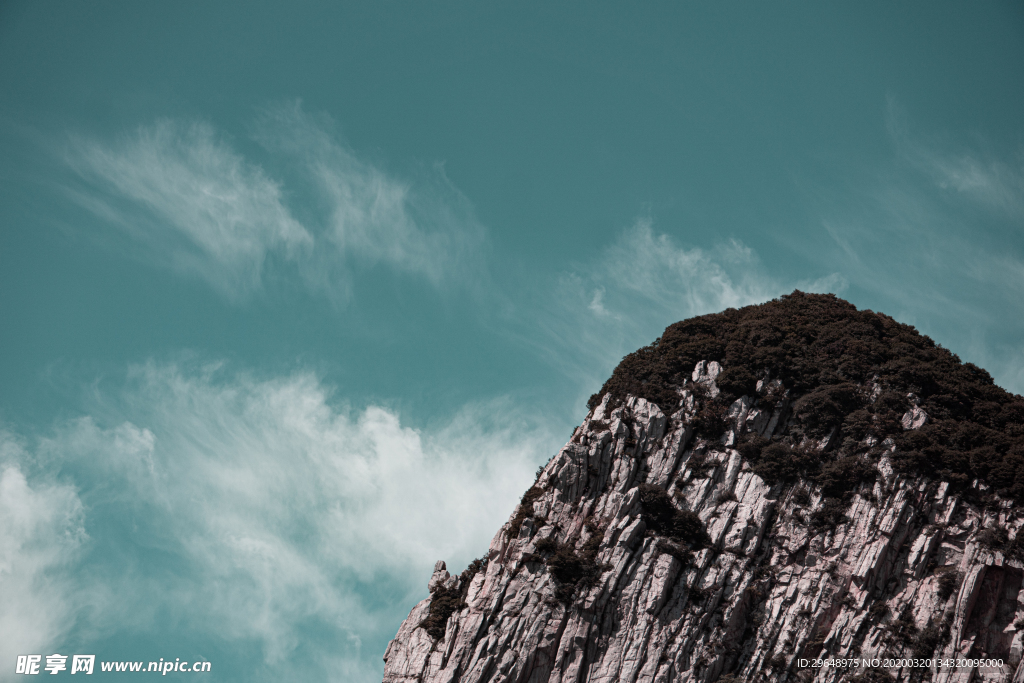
{"points": [[41, 533], [425, 227], [677, 282], [989, 181], [276, 505], [644, 282], [597, 304], [973, 172], [191, 201], [183, 192]]}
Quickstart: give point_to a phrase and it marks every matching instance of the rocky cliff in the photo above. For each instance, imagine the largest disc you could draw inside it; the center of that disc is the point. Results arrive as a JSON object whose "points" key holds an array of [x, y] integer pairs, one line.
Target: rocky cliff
{"points": [[792, 481]]}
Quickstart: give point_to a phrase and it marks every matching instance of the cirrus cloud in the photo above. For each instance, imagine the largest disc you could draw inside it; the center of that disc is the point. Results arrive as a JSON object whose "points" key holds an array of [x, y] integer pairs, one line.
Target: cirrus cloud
{"points": [[189, 200]]}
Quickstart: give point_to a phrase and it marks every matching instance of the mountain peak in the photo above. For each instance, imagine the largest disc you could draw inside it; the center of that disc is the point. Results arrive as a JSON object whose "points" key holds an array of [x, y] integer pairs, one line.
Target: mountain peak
{"points": [[784, 482]]}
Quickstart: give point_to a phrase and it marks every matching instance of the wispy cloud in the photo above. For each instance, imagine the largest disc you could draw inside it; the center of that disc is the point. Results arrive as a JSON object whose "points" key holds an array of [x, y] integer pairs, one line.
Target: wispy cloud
{"points": [[423, 225], [185, 195], [645, 281], [180, 190], [677, 282], [255, 510], [987, 178], [932, 239]]}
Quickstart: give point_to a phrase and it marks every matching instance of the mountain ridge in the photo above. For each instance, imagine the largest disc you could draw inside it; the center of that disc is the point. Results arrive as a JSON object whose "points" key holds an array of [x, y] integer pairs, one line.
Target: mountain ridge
{"points": [[822, 482]]}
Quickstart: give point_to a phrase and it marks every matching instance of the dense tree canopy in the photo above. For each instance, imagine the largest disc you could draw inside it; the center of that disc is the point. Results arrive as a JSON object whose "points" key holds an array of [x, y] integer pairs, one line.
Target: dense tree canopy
{"points": [[850, 373]]}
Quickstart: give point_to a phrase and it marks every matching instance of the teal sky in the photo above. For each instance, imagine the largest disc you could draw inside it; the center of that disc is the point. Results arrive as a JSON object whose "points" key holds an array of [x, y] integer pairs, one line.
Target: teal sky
{"points": [[294, 298]]}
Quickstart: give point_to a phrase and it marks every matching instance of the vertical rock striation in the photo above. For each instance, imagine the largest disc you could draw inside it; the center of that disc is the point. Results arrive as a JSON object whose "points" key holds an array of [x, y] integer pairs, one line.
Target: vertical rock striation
{"points": [[655, 547]]}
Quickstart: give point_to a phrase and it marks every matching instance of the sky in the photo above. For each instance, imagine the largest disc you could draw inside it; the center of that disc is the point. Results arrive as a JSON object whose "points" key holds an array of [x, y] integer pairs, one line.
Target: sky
{"points": [[296, 297]]}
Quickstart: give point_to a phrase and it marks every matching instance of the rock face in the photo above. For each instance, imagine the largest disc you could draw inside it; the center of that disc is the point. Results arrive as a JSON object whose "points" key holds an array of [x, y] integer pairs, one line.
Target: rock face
{"points": [[586, 583]]}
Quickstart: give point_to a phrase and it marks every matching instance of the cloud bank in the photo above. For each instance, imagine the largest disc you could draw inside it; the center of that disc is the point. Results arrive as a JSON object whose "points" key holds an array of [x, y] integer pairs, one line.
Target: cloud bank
{"points": [[251, 511], [41, 535]]}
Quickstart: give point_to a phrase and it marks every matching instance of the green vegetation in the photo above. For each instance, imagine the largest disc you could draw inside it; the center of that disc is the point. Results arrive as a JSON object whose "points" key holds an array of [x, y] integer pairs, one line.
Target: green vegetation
{"points": [[921, 643], [830, 357], [665, 519], [571, 570], [831, 514], [699, 466], [472, 570], [878, 611], [730, 678], [841, 476], [684, 555], [444, 602], [949, 582], [928, 640], [902, 631], [777, 461], [996, 538], [525, 511], [801, 496], [825, 407], [710, 421]]}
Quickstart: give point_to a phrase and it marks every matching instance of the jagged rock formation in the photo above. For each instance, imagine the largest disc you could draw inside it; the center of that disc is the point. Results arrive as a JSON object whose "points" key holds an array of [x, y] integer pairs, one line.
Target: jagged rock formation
{"points": [[742, 531]]}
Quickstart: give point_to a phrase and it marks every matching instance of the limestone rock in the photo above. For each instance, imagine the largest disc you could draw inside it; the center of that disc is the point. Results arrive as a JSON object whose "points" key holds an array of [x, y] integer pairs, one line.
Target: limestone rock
{"points": [[705, 373], [915, 418], [907, 572]]}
